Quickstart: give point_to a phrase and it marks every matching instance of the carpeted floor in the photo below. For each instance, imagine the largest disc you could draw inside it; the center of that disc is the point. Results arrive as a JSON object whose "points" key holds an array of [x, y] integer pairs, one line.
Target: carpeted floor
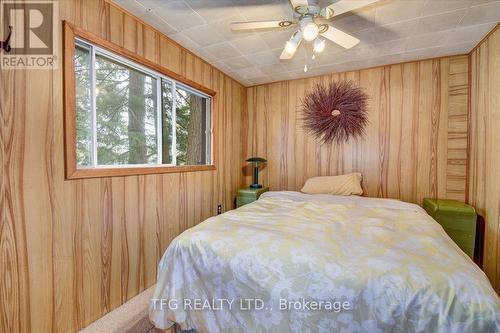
{"points": [[131, 317]]}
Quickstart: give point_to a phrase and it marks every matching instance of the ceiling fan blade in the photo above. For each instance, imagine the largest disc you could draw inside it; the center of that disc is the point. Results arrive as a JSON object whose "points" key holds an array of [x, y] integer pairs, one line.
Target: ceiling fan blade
{"points": [[344, 6], [260, 25], [339, 37], [286, 55], [298, 3], [294, 42]]}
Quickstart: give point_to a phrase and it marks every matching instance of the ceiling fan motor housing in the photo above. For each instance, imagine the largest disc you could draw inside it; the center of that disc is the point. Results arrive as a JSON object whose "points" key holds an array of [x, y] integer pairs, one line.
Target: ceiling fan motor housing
{"points": [[326, 13], [313, 23], [307, 10], [314, 11]]}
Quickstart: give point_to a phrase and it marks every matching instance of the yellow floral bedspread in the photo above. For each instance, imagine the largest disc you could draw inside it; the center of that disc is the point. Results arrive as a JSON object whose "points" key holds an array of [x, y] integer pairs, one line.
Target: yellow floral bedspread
{"points": [[292, 262]]}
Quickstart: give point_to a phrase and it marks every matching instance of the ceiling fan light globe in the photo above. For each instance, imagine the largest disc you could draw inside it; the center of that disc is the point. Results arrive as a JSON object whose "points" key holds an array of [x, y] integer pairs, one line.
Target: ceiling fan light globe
{"points": [[310, 31], [290, 47], [319, 45]]}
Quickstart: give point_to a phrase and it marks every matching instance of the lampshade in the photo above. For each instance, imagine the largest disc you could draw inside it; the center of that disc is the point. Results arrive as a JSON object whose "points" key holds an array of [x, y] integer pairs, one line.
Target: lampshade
{"points": [[257, 160]]}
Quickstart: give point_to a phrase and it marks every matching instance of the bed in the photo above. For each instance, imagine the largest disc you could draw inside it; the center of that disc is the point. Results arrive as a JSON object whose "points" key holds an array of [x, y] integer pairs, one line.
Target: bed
{"points": [[293, 262]]}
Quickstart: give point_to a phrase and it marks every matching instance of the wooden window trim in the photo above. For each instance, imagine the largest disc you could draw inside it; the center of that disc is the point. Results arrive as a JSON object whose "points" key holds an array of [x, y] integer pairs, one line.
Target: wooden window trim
{"points": [[72, 171]]}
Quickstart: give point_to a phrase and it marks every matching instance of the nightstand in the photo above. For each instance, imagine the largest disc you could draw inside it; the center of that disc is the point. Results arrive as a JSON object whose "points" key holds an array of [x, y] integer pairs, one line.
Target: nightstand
{"points": [[247, 195], [457, 219]]}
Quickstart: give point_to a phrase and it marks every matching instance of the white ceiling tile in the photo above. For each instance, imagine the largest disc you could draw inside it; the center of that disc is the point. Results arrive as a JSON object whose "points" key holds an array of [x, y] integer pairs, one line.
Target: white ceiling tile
{"points": [[277, 51], [390, 31], [213, 11], [251, 73], [133, 6], [266, 57], [327, 60], [224, 27], [222, 66], [152, 4], [484, 13], [237, 62], [281, 76], [160, 24], [261, 80], [356, 20], [390, 47], [147, 15], [273, 69], [420, 54], [356, 53], [221, 51], [480, 2], [386, 60], [277, 38], [473, 33], [204, 54], [185, 41], [335, 54], [398, 10], [204, 35], [300, 74], [241, 80], [297, 62], [460, 48], [425, 41], [250, 44], [440, 22], [443, 6], [268, 10], [179, 15], [333, 48], [349, 66]]}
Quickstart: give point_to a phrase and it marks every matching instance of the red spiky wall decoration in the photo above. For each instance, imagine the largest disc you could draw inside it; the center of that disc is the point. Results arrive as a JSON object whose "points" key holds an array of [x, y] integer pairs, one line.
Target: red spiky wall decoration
{"points": [[335, 112]]}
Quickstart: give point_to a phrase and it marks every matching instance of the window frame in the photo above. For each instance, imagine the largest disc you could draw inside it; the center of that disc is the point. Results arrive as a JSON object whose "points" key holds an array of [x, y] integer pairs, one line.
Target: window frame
{"points": [[73, 35]]}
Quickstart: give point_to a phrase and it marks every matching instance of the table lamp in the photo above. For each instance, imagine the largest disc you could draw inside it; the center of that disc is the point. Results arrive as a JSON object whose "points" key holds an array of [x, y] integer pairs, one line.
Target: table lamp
{"points": [[257, 161]]}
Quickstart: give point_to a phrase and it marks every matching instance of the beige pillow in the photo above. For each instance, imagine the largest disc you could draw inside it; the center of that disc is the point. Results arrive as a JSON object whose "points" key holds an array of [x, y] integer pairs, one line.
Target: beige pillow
{"points": [[340, 185]]}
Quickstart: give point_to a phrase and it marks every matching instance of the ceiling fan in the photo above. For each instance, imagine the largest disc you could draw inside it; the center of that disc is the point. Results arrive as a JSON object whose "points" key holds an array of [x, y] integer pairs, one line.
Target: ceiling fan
{"points": [[313, 23]]}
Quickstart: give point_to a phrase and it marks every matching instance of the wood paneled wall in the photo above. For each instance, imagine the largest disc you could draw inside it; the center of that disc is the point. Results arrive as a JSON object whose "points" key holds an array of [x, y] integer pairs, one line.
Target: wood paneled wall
{"points": [[484, 176], [72, 250], [416, 142]]}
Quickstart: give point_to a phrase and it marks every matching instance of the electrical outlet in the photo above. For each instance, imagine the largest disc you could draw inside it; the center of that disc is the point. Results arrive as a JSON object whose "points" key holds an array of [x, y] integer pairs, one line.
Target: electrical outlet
{"points": [[219, 209]]}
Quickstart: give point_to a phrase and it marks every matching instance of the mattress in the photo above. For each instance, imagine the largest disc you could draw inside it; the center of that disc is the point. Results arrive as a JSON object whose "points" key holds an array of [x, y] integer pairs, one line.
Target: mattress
{"points": [[292, 262]]}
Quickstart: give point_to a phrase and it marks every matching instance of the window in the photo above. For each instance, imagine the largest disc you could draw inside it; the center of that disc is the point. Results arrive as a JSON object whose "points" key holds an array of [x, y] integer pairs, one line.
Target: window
{"points": [[187, 139], [130, 114], [120, 120]]}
